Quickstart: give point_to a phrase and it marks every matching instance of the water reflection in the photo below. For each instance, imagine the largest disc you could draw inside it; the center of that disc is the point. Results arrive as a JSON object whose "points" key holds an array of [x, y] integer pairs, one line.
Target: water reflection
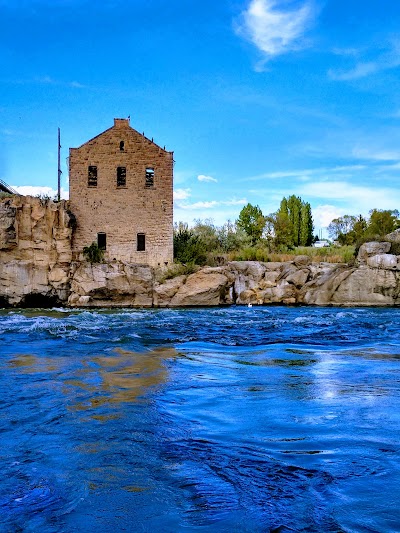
{"points": [[126, 377]]}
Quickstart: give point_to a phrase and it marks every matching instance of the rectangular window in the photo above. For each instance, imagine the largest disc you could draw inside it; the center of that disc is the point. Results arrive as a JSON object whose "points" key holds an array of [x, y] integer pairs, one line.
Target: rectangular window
{"points": [[92, 176], [141, 242], [102, 241], [121, 177], [149, 177]]}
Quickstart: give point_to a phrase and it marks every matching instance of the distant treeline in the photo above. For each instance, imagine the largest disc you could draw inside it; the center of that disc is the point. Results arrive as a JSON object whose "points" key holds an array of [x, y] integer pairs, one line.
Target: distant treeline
{"points": [[289, 230]]}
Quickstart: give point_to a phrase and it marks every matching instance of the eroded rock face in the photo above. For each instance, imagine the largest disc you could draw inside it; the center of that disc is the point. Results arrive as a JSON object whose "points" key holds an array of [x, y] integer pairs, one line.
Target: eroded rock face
{"points": [[35, 250], [112, 284]]}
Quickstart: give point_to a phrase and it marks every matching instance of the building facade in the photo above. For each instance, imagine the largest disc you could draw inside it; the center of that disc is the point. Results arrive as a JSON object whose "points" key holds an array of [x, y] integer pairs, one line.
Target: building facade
{"points": [[121, 193]]}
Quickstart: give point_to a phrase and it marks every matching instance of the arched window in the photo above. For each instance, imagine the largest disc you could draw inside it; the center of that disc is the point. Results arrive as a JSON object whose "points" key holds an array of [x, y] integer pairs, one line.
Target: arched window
{"points": [[122, 146]]}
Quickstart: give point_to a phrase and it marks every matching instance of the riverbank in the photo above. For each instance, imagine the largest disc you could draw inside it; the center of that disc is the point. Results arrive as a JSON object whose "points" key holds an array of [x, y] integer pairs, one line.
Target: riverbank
{"points": [[37, 270]]}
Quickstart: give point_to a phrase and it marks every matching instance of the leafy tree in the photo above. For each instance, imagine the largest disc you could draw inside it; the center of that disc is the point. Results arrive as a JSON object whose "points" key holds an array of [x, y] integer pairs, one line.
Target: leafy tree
{"points": [[292, 224], [280, 229], [306, 225], [294, 211], [207, 232], [188, 247], [230, 237], [251, 221], [383, 221], [341, 226]]}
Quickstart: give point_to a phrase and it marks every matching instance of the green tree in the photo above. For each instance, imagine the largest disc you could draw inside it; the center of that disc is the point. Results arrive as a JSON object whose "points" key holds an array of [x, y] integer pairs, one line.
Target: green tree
{"points": [[188, 247], [294, 209], [341, 226], [292, 223], [382, 221], [231, 238], [251, 221], [306, 225], [207, 232]]}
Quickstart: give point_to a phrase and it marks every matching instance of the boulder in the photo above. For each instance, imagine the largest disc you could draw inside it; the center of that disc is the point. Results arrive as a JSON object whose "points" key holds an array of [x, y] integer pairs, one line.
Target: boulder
{"points": [[203, 288], [385, 261], [394, 236], [112, 284], [369, 249]]}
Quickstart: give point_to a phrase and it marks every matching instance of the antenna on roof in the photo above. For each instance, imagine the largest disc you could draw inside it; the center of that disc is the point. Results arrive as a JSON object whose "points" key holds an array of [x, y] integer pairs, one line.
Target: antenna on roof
{"points": [[59, 167]]}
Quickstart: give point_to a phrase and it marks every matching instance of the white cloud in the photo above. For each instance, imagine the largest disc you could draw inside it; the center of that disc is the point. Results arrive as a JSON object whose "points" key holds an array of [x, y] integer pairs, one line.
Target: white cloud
{"points": [[376, 154], [354, 198], [213, 203], [275, 31], [324, 214], [387, 60], [30, 190], [181, 194], [202, 177]]}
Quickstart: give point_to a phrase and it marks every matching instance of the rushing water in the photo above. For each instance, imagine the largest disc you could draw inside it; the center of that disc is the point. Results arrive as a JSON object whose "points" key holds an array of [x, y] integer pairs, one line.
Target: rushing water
{"points": [[266, 419]]}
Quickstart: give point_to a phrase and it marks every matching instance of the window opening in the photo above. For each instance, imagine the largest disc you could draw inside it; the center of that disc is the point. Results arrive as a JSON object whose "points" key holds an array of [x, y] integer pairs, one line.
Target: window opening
{"points": [[141, 242], [92, 176], [121, 177], [102, 241], [122, 146], [149, 177]]}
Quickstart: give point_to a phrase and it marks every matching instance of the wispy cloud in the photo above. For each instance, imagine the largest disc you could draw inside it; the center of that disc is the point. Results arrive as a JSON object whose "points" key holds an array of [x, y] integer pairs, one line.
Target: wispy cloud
{"points": [[181, 194], [47, 80], [302, 174], [202, 177], [374, 154], [358, 197], [388, 59], [273, 29], [213, 203]]}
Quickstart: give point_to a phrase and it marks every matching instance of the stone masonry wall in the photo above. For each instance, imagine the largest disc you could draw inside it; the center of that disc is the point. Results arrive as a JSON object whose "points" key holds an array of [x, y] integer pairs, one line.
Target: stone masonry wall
{"points": [[123, 212]]}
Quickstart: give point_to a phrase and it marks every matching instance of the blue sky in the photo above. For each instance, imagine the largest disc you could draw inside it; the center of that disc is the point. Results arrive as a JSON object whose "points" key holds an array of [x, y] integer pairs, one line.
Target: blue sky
{"points": [[259, 99]]}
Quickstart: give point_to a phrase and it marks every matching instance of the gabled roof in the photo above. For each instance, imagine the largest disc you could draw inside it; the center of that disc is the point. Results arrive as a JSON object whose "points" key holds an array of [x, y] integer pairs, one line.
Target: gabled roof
{"points": [[123, 124]]}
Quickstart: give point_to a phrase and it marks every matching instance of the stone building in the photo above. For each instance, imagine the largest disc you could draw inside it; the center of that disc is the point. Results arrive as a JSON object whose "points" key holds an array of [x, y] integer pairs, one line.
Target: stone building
{"points": [[120, 190]]}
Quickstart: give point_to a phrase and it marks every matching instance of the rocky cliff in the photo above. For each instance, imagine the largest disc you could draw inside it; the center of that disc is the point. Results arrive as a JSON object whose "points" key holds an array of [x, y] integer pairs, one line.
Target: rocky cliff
{"points": [[36, 269], [35, 251]]}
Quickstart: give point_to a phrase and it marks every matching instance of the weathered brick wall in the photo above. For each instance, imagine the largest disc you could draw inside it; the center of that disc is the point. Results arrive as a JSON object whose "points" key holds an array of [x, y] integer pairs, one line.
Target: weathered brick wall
{"points": [[123, 212]]}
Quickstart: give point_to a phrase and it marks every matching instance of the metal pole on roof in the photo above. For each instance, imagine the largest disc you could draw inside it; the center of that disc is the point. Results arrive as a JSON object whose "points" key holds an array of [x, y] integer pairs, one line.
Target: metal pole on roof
{"points": [[59, 167]]}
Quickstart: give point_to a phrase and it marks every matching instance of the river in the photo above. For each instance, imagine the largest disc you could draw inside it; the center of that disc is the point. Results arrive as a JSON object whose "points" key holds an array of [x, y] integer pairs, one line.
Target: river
{"points": [[263, 419]]}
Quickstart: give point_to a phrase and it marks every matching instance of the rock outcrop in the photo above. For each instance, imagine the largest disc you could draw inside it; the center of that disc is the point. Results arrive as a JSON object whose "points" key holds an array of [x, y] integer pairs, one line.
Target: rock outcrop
{"points": [[35, 251], [36, 269]]}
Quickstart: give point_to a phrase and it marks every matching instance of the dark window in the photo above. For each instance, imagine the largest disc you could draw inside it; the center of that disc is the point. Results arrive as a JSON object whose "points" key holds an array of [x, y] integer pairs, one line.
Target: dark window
{"points": [[92, 176], [149, 177], [121, 177], [141, 242], [122, 146], [102, 241]]}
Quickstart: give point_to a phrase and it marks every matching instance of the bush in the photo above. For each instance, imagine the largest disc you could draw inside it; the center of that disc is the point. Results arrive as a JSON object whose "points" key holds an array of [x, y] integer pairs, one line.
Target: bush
{"points": [[189, 248], [93, 253], [178, 269]]}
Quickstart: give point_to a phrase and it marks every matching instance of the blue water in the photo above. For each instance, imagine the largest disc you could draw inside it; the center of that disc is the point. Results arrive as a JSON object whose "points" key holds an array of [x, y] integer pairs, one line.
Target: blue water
{"points": [[266, 419]]}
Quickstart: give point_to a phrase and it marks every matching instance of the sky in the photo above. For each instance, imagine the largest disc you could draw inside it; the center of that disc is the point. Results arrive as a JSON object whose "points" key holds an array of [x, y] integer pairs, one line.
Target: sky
{"points": [[258, 99]]}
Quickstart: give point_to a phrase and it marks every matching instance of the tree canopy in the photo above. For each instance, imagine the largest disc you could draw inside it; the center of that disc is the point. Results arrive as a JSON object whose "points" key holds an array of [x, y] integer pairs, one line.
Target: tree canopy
{"points": [[349, 229], [292, 225], [252, 221]]}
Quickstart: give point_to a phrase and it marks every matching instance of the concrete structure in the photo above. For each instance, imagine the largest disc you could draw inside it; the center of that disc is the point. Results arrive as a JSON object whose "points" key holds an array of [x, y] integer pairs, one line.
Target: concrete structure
{"points": [[121, 186]]}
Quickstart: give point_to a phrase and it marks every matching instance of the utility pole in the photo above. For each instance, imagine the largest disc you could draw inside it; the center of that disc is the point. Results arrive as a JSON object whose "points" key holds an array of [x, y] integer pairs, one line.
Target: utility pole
{"points": [[59, 167]]}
